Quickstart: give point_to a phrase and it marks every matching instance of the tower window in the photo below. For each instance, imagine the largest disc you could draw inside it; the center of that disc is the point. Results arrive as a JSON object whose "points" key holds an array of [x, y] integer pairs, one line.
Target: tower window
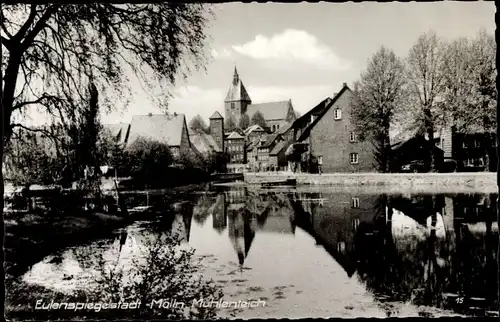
{"points": [[233, 106]]}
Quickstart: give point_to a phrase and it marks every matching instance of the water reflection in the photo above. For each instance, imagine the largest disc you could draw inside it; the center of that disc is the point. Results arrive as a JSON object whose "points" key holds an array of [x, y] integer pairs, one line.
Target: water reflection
{"points": [[411, 254]]}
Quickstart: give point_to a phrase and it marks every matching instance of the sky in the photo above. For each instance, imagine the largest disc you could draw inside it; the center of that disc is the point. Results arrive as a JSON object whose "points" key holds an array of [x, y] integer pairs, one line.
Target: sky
{"points": [[304, 52]]}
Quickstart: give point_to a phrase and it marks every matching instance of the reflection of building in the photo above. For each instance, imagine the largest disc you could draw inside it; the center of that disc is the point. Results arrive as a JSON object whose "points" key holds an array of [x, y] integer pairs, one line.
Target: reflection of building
{"points": [[335, 220]]}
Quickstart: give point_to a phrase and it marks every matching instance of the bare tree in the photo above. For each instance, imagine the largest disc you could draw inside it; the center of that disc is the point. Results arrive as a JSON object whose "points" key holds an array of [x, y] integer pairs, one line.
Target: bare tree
{"points": [[51, 51], [197, 123], [378, 96], [425, 74], [470, 95]]}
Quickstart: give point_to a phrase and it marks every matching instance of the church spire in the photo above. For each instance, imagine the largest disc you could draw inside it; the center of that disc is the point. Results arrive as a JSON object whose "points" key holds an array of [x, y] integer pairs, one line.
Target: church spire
{"points": [[237, 91], [235, 76]]}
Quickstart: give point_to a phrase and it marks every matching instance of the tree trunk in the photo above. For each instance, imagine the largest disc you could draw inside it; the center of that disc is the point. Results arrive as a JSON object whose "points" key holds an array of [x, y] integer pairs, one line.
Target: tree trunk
{"points": [[429, 127]]}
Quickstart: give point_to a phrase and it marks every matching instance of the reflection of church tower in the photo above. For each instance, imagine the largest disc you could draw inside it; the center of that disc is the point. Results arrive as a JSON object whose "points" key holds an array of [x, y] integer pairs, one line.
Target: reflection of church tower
{"points": [[219, 214], [241, 234], [237, 99]]}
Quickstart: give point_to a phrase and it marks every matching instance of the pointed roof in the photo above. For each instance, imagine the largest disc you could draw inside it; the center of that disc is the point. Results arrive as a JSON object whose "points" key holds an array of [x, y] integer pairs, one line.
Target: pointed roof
{"points": [[322, 111], [215, 116], [237, 91]]}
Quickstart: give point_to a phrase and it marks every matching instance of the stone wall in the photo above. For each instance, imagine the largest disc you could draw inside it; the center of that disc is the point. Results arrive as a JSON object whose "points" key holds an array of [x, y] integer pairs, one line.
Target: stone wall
{"points": [[480, 182]]}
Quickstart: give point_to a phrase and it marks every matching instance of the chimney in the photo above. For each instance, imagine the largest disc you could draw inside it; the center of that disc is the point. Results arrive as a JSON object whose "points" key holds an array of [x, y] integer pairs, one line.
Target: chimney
{"points": [[345, 84], [175, 113], [150, 114]]}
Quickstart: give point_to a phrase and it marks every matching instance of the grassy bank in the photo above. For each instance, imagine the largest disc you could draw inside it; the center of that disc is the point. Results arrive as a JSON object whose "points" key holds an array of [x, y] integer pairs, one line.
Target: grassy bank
{"points": [[439, 182]]}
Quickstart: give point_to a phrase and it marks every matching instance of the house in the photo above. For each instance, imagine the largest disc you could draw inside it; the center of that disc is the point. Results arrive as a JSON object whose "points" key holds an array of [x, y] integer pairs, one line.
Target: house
{"points": [[235, 147], [254, 131], [259, 151], [416, 148], [469, 147], [277, 157], [330, 138], [237, 103], [169, 129]]}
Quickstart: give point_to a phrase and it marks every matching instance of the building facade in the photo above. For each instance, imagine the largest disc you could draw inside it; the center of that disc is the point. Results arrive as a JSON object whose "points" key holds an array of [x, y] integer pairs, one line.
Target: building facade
{"points": [[331, 139]]}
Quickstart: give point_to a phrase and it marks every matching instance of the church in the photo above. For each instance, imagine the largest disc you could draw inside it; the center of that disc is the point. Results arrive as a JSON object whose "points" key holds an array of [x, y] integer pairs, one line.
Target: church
{"points": [[237, 103]]}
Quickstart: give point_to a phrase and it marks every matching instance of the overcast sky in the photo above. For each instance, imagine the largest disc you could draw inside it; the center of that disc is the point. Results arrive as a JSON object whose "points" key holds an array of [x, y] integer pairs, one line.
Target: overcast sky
{"points": [[305, 52]]}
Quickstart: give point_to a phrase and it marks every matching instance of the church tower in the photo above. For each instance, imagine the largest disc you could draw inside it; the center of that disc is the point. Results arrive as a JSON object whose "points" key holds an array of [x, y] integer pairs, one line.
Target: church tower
{"points": [[237, 99]]}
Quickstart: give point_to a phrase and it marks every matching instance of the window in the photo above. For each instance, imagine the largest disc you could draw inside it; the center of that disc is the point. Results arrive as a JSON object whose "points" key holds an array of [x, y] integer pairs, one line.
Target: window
{"points": [[355, 224], [353, 137], [355, 202], [232, 106], [338, 114], [354, 158], [341, 247]]}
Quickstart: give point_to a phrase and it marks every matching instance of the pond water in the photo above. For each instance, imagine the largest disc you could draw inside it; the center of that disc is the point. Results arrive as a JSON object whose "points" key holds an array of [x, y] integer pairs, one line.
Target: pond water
{"points": [[320, 253]]}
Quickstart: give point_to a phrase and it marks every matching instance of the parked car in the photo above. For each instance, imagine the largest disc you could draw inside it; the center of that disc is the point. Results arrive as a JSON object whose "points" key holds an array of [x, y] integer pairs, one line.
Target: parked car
{"points": [[414, 166]]}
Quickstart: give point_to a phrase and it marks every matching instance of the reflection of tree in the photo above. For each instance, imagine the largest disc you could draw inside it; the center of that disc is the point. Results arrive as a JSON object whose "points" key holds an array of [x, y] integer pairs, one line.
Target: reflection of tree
{"points": [[423, 270], [219, 214]]}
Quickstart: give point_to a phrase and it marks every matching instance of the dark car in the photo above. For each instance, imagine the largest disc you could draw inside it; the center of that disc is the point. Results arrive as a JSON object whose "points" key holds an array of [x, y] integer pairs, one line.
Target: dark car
{"points": [[414, 166]]}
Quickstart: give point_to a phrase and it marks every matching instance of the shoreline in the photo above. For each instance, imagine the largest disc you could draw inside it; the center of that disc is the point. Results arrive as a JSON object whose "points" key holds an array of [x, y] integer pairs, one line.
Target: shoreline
{"points": [[485, 182]]}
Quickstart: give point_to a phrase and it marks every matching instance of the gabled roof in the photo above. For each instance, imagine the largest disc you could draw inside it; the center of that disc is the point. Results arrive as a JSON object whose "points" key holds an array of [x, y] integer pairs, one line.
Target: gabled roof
{"points": [[271, 110], [160, 127], [119, 131], [215, 116], [284, 129], [203, 142], [234, 136], [314, 111], [307, 131], [237, 91], [253, 144], [278, 148], [254, 128], [270, 138]]}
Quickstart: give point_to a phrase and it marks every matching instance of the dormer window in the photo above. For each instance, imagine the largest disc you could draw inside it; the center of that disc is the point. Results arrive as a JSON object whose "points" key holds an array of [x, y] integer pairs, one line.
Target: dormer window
{"points": [[338, 114]]}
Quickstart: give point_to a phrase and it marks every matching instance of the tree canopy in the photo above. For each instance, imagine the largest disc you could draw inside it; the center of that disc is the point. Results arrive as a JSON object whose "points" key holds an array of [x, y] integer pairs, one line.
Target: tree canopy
{"points": [[244, 121], [378, 98], [258, 119], [197, 123], [50, 52], [229, 124]]}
